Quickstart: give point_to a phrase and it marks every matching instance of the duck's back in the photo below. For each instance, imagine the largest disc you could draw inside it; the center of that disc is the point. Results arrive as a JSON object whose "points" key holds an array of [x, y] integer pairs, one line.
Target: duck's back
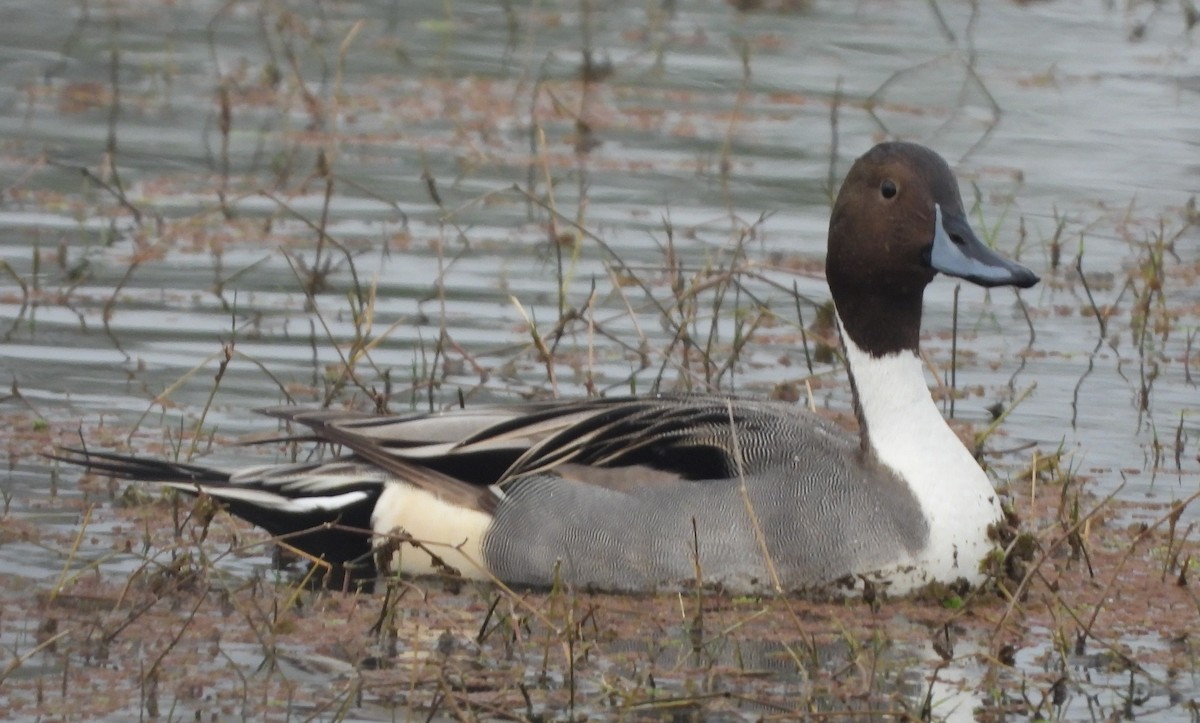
{"points": [[658, 498]]}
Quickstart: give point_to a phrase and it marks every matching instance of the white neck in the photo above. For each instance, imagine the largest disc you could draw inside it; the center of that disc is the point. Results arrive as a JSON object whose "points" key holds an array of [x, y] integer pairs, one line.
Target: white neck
{"points": [[907, 433]]}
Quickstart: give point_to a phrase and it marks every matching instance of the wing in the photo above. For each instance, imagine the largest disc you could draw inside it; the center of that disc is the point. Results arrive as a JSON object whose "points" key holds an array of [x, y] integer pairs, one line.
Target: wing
{"points": [[615, 442]]}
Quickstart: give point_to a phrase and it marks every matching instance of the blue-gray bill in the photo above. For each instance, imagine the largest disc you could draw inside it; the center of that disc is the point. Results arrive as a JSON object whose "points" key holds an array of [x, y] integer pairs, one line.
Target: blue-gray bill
{"points": [[957, 251]]}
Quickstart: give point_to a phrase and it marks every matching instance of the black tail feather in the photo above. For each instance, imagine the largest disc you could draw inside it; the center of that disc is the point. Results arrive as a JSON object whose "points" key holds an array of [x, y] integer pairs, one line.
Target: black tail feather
{"points": [[140, 468], [341, 536]]}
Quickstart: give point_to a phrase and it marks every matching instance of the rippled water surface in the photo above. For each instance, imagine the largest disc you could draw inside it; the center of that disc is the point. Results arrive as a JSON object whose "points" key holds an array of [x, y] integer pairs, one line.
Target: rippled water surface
{"points": [[173, 174]]}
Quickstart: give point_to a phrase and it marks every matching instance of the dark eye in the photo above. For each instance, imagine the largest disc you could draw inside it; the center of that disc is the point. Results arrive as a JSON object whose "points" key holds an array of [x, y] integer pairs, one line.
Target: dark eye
{"points": [[888, 189]]}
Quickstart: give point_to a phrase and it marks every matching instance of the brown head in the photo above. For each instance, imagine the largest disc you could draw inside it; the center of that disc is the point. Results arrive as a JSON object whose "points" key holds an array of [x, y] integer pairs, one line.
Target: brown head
{"points": [[898, 221]]}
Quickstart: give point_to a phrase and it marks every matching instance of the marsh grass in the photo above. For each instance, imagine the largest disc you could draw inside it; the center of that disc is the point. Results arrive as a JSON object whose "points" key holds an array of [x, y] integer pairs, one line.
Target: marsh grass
{"points": [[177, 632], [164, 607]]}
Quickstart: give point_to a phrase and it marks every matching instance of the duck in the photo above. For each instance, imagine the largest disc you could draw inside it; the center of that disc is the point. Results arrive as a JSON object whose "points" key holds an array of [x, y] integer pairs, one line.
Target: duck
{"points": [[640, 494]]}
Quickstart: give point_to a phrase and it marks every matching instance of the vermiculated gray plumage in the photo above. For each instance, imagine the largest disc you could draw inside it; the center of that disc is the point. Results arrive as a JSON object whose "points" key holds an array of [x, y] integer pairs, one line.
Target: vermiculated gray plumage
{"points": [[820, 521], [602, 491]]}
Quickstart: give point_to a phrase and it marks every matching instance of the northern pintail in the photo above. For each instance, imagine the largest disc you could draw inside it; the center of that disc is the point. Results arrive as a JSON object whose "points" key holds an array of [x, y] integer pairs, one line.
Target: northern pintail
{"points": [[634, 494]]}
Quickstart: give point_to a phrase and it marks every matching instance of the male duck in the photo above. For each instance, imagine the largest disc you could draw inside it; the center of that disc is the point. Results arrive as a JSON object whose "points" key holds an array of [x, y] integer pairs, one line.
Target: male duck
{"points": [[631, 494]]}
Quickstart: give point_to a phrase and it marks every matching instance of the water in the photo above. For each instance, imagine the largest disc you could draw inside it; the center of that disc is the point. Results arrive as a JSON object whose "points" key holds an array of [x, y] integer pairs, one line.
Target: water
{"points": [[1069, 122]]}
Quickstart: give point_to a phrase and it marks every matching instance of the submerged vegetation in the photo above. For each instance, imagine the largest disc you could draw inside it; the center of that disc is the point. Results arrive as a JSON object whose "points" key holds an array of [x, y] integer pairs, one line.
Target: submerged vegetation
{"points": [[213, 209]]}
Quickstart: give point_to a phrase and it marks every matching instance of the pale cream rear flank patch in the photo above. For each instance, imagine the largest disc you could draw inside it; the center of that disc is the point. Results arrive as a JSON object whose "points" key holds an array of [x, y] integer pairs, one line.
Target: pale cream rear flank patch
{"points": [[454, 534]]}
